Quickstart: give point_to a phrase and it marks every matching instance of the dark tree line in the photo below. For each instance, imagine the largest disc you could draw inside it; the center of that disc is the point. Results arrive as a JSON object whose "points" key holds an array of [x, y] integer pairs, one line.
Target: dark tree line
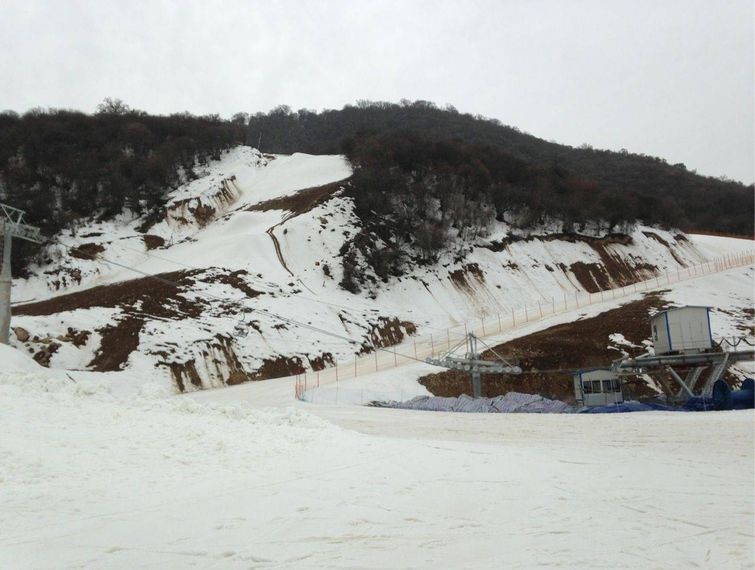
{"points": [[61, 166], [418, 197], [663, 191], [452, 175]]}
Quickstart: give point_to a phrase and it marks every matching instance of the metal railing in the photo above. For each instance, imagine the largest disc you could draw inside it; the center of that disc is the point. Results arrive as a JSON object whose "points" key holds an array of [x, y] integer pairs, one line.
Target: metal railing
{"points": [[419, 347]]}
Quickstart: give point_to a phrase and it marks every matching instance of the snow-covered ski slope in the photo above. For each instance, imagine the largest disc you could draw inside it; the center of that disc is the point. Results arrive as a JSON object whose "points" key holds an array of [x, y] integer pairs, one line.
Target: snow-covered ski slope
{"points": [[112, 470], [253, 244], [730, 293], [93, 478]]}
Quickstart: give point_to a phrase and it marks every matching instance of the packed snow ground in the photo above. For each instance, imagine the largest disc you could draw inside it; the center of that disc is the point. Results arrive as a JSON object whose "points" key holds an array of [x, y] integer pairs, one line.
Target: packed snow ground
{"points": [[93, 480]]}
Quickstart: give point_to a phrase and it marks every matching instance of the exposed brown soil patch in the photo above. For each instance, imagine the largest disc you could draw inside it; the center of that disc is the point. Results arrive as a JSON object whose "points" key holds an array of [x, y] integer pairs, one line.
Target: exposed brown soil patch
{"points": [[613, 271], [203, 214], [236, 372], [591, 276], [152, 241], [44, 355], [301, 202], [656, 237], [580, 344], [184, 373], [278, 367], [159, 297], [621, 271], [138, 298], [118, 342], [234, 279], [387, 332], [461, 277], [320, 362], [218, 358], [67, 275], [76, 337], [87, 251], [744, 318]]}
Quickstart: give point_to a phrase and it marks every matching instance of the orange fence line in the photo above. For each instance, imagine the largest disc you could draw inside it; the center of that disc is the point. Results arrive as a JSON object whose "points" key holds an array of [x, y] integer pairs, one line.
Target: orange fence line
{"points": [[433, 344]]}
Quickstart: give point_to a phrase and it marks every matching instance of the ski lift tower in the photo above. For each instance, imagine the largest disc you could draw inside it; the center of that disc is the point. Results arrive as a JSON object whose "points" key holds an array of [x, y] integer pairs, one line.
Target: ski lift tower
{"points": [[11, 226], [684, 349], [473, 363]]}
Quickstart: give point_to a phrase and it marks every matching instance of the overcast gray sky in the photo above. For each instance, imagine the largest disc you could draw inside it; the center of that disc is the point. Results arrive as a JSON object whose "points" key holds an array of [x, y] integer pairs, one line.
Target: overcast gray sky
{"points": [[672, 78]]}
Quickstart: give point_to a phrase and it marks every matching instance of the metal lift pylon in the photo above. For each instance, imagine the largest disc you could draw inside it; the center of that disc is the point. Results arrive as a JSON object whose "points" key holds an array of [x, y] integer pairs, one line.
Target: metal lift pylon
{"points": [[11, 226], [691, 366], [473, 363]]}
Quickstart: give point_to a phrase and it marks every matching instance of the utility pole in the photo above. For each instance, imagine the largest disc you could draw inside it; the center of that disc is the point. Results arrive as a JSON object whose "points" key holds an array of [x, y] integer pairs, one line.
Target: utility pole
{"points": [[11, 226], [473, 362]]}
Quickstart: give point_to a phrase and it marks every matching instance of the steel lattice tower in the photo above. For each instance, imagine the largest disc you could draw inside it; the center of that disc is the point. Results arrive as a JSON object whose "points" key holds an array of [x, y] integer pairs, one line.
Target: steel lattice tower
{"points": [[11, 226]]}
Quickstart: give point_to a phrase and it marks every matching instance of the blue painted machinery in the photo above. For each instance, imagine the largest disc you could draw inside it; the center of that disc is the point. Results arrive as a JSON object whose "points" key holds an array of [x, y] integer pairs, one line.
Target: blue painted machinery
{"points": [[724, 398]]}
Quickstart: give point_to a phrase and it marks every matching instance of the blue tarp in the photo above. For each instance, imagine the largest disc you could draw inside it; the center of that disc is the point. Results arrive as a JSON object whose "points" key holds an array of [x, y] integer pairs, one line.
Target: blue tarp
{"points": [[699, 404], [627, 407]]}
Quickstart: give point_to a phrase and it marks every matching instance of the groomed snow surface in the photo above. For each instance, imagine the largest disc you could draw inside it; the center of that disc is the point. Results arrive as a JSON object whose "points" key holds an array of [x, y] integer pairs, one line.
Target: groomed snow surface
{"points": [[94, 480]]}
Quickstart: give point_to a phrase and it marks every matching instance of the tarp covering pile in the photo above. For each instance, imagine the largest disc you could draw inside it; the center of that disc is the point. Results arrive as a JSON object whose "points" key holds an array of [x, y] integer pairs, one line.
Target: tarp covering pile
{"points": [[626, 407], [511, 403]]}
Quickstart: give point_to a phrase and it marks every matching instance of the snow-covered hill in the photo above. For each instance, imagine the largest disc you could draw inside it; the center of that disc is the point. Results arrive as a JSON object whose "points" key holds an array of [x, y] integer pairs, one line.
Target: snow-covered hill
{"points": [[247, 259], [114, 470]]}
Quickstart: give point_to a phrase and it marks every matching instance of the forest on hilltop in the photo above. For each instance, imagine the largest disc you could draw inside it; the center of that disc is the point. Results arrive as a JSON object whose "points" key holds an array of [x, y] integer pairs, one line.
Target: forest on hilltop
{"points": [[690, 201], [62, 166], [422, 173], [417, 198]]}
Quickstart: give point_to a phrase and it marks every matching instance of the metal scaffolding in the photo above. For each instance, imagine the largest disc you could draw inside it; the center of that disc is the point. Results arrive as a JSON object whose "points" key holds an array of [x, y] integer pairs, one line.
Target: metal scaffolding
{"points": [[11, 226], [473, 363], [686, 369]]}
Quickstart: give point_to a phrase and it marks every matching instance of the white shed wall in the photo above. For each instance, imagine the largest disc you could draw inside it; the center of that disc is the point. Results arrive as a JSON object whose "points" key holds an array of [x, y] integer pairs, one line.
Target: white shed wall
{"points": [[597, 388], [686, 329]]}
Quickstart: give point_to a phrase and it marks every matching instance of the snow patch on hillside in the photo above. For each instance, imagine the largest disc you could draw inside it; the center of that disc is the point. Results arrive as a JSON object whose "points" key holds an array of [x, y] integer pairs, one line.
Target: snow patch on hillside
{"points": [[254, 255]]}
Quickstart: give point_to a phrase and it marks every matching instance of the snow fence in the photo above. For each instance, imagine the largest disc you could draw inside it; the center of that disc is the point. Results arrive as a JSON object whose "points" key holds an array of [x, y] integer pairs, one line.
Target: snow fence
{"points": [[487, 326]]}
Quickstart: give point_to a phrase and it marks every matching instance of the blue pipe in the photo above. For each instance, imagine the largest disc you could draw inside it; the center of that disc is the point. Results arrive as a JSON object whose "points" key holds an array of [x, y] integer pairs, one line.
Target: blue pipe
{"points": [[724, 398]]}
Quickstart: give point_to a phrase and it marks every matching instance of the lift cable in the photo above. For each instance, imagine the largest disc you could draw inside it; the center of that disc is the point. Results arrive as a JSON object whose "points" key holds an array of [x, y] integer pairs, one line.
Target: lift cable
{"points": [[364, 311], [236, 302], [291, 321]]}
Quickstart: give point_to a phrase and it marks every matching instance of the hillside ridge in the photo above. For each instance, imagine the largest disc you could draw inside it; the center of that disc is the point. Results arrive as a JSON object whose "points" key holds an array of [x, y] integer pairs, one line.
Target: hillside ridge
{"points": [[223, 309]]}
